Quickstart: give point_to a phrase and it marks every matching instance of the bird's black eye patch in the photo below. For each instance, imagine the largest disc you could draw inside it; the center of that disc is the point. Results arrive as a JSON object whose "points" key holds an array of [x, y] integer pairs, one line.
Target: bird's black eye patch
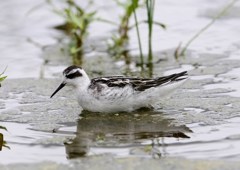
{"points": [[74, 75]]}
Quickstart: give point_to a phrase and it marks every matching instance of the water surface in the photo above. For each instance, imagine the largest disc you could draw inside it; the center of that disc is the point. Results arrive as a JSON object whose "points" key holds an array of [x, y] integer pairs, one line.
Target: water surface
{"points": [[200, 120]]}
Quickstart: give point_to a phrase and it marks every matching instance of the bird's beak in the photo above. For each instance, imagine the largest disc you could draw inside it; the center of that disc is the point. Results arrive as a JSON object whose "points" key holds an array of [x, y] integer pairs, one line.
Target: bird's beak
{"points": [[59, 88]]}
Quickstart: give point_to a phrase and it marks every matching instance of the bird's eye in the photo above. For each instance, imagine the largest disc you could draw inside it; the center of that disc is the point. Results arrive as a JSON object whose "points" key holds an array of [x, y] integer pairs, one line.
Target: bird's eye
{"points": [[74, 75]]}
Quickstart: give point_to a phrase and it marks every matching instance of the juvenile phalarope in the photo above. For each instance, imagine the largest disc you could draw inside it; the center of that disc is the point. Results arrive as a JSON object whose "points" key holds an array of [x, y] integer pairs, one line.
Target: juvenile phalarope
{"points": [[118, 93]]}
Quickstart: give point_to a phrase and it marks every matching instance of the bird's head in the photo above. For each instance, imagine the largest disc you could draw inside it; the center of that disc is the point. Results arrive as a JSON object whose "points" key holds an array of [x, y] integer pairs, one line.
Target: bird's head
{"points": [[73, 76]]}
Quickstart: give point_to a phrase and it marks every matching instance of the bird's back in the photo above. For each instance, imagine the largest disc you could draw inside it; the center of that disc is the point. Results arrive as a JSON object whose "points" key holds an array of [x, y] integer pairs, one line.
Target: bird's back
{"points": [[137, 84], [118, 92]]}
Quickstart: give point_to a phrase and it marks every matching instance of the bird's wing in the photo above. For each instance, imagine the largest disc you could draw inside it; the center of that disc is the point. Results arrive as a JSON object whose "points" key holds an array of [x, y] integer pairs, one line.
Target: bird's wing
{"points": [[138, 84], [111, 88], [161, 81]]}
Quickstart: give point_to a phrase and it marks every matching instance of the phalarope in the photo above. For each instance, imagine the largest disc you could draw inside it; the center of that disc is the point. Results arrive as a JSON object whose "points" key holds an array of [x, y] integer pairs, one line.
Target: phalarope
{"points": [[118, 93]]}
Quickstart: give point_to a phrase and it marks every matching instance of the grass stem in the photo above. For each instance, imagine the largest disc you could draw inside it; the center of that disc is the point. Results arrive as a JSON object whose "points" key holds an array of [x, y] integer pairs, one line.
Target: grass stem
{"points": [[150, 11], [221, 13], [139, 39]]}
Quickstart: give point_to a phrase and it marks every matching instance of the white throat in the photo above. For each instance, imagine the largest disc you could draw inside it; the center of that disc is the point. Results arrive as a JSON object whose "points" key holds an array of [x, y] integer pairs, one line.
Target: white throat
{"points": [[82, 84]]}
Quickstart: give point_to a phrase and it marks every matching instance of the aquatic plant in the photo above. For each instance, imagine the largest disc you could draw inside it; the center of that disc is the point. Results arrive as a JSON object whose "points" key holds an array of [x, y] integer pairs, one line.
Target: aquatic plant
{"points": [[150, 11], [150, 4], [77, 22], [120, 40], [2, 77], [2, 142], [138, 34], [78, 19], [181, 52]]}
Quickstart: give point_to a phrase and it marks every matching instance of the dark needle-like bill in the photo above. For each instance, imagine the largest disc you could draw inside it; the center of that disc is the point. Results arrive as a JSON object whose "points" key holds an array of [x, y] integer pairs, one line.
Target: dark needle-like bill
{"points": [[59, 88]]}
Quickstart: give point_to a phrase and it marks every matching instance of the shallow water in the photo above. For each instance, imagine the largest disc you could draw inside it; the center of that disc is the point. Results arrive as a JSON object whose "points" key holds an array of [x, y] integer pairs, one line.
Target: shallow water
{"points": [[200, 120], [25, 149], [140, 135]]}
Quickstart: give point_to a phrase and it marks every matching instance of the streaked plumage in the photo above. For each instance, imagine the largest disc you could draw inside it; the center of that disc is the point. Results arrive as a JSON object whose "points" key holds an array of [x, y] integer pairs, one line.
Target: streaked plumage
{"points": [[118, 93]]}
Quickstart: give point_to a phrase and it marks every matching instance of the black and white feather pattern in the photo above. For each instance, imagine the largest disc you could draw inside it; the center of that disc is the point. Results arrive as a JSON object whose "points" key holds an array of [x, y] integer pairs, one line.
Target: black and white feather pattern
{"points": [[138, 84], [118, 93]]}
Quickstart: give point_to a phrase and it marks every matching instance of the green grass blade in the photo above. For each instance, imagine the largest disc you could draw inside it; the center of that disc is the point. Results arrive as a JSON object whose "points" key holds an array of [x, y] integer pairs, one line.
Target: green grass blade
{"points": [[2, 78]]}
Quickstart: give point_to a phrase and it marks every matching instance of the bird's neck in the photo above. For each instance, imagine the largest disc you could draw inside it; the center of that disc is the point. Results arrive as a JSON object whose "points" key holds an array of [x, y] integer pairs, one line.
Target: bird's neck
{"points": [[83, 86]]}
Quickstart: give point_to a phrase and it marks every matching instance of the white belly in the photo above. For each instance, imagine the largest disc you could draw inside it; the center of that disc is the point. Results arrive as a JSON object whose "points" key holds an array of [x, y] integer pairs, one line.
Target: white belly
{"points": [[125, 99]]}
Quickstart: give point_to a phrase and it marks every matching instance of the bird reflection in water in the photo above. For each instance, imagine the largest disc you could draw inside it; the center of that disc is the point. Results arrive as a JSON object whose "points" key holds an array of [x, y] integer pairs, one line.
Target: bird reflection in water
{"points": [[140, 132]]}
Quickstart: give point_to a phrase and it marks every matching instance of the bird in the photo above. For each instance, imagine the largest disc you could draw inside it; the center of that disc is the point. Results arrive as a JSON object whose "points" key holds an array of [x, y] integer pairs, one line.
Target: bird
{"points": [[118, 93]]}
